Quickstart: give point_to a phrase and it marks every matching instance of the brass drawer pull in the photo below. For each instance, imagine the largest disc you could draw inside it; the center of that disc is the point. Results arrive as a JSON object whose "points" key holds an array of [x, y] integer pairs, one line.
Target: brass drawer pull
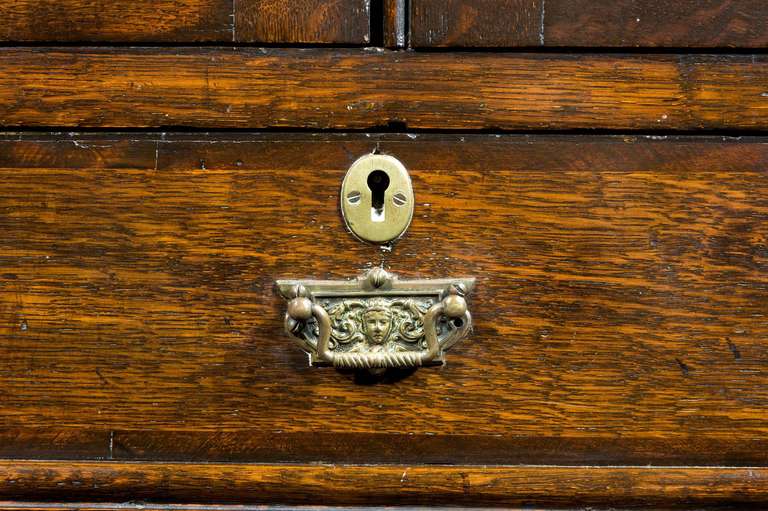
{"points": [[377, 321]]}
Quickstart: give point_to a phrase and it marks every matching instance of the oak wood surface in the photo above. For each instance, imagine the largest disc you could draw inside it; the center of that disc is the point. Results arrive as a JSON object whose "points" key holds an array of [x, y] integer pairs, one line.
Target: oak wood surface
{"points": [[619, 308], [303, 21], [483, 23], [185, 21], [143, 506], [589, 23], [637, 487], [348, 88]]}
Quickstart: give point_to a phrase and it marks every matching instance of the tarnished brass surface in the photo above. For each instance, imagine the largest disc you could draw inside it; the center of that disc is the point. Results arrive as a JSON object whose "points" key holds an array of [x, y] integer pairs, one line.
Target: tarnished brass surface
{"points": [[377, 198], [377, 321]]}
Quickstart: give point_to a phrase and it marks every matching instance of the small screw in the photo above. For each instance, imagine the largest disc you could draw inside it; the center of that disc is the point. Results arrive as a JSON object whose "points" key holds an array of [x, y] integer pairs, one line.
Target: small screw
{"points": [[353, 197], [399, 199]]}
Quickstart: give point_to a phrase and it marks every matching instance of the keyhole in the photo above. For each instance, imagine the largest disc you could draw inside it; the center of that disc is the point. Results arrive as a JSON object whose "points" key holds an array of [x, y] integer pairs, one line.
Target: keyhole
{"points": [[378, 182]]}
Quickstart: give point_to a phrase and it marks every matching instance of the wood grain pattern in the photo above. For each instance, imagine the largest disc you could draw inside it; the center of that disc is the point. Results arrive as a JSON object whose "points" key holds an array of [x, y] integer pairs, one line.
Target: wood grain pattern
{"points": [[620, 308], [257, 88], [278, 446], [116, 20], [303, 21], [653, 23], [184, 21], [130, 506], [590, 23], [481, 23], [397, 485], [143, 506]]}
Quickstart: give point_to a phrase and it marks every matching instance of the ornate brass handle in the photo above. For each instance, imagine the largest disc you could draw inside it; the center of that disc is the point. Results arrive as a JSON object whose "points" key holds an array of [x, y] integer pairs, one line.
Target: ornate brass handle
{"points": [[377, 322]]}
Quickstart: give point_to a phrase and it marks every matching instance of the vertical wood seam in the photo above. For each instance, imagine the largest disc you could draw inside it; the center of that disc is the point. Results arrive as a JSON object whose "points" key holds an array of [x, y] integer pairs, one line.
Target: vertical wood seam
{"points": [[394, 23], [406, 23], [233, 17]]}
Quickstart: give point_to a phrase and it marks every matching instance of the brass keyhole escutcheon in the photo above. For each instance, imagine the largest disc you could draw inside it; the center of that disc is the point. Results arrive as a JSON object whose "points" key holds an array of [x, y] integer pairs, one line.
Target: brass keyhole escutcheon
{"points": [[377, 198]]}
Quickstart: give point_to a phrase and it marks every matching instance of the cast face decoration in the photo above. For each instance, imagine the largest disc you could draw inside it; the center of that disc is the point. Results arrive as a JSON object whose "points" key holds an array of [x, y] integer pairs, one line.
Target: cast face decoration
{"points": [[377, 323]]}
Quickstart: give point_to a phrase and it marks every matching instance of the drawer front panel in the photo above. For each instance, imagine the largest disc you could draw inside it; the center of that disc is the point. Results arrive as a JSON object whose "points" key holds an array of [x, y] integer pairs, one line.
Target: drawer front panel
{"points": [[589, 23], [185, 21], [619, 309]]}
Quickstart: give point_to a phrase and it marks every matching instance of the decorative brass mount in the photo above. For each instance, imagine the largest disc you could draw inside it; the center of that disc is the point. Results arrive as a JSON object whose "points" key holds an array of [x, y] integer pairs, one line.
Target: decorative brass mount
{"points": [[377, 321]]}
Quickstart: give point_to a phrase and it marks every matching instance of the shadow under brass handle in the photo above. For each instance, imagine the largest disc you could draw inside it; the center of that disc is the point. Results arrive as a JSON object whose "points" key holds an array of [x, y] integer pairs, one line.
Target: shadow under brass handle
{"points": [[377, 322]]}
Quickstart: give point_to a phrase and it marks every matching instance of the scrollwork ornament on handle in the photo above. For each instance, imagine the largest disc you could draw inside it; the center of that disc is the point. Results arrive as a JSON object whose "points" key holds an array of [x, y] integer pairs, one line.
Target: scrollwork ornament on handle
{"points": [[377, 322]]}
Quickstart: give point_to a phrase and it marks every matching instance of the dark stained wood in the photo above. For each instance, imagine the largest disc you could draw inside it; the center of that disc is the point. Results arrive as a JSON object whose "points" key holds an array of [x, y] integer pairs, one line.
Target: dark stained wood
{"points": [[55, 443], [130, 506], [116, 20], [649, 23], [458, 448], [331, 88], [397, 484], [620, 307], [298, 447], [483, 23], [143, 506], [183, 21], [303, 21], [590, 23]]}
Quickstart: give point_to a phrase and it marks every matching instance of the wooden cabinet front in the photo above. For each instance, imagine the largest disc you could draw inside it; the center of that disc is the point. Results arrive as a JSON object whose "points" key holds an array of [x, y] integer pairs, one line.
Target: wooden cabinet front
{"points": [[609, 195], [618, 307]]}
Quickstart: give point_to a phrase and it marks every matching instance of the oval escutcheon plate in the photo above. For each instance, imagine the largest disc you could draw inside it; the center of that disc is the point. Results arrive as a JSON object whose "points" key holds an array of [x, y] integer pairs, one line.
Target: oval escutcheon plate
{"points": [[377, 198], [377, 321]]}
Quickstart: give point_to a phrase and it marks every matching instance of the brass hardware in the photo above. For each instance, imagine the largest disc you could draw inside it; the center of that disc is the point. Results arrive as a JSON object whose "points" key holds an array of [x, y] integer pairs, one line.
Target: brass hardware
{"points": [[377, 321], [377, 198]]}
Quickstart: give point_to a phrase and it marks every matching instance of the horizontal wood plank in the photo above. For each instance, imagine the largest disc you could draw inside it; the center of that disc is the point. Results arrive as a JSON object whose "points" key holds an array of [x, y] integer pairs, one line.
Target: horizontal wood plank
{"points": [[258, 88], [589, 23], [144, 506], [278, 446], [185, 21], [394, 485], [620, 306]]}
